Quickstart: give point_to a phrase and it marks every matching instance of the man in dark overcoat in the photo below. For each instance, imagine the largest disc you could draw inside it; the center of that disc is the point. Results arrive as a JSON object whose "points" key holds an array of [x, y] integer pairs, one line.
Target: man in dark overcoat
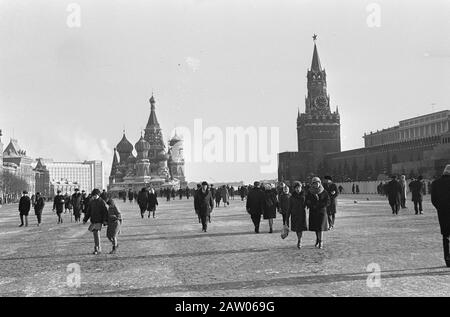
{"points": [[130, 195], [38, 207], [142, 201], [394, 191], [333, 192], [24, 208], [417, 188], [204, 204], [77, 204], [58, 205], [255, 204], [440, 198], [152, 202]]}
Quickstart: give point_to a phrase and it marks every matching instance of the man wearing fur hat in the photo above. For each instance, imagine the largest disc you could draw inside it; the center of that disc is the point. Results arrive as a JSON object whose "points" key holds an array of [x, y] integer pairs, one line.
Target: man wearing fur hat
{"points": [[24, 208], [204, 204], [255, 204]]}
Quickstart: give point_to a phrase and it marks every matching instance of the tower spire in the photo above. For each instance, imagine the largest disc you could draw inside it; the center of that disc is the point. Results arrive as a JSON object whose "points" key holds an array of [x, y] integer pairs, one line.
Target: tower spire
{"points": [[315, 64]]}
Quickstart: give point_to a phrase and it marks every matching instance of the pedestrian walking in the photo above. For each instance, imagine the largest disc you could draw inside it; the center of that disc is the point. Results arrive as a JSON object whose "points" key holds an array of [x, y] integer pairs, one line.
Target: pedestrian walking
{"points": [[417, 189], [283, 204], [130, 195], [296, 213], [67, 203], [204, 204], [218, 197], [440, 198], [353, 189], [39, 204], [173, 193], [270, 205], [24, 208], [152, 202], [58, 205], [167, 194], [232, 192], [254, 205], [393, 190], [85, 200], [97, 212], [77, 204], [114, 224], [317, 200], [403, 191], [242, 192], [142, 201], [187, 192], [333, 192], [225, 195]]}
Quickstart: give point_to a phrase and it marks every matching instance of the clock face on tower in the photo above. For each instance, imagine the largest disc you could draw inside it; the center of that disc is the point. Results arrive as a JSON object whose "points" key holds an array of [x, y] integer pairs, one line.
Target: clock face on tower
{"points": [[320, 102]]}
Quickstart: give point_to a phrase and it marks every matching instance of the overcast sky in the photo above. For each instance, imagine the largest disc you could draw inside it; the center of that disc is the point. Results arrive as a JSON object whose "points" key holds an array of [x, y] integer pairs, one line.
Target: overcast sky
{"points": [[67, 92]]}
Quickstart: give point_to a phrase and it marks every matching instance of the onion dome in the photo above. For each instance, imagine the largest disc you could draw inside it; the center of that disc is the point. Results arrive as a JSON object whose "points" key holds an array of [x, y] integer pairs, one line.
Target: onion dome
{"points": [[124, 145], [142, 145], [175, 139]]}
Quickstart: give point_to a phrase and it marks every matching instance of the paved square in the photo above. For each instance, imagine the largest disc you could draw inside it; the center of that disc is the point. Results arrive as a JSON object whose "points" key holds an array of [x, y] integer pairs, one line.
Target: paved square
{"points": [[170, 256]]}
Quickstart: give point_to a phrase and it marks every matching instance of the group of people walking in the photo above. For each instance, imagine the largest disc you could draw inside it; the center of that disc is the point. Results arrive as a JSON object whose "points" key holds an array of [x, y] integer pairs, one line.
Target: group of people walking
{"points": [[147, 201], [97, 207], [396, 189], [103, 213], [319, 199], [25, 204]]}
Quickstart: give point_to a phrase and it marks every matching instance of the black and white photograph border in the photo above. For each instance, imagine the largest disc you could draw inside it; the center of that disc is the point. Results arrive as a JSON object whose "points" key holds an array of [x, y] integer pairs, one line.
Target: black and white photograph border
{"points": [[224, 154]]}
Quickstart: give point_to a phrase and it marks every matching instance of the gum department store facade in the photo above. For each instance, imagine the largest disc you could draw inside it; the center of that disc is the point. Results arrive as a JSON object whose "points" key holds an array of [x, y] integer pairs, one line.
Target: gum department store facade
{"points": [[417, 146]]}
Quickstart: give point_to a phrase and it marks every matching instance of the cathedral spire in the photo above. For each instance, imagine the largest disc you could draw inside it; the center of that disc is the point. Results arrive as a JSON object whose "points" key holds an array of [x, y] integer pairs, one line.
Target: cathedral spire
{"points": [[115, 163], [152, 120], [315, 64]]}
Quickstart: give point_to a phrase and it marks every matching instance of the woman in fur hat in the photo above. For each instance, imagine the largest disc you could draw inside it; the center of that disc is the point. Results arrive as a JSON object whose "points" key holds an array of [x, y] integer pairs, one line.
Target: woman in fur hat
{"points": [[317, 201], [297, 212], [270, 205]]}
